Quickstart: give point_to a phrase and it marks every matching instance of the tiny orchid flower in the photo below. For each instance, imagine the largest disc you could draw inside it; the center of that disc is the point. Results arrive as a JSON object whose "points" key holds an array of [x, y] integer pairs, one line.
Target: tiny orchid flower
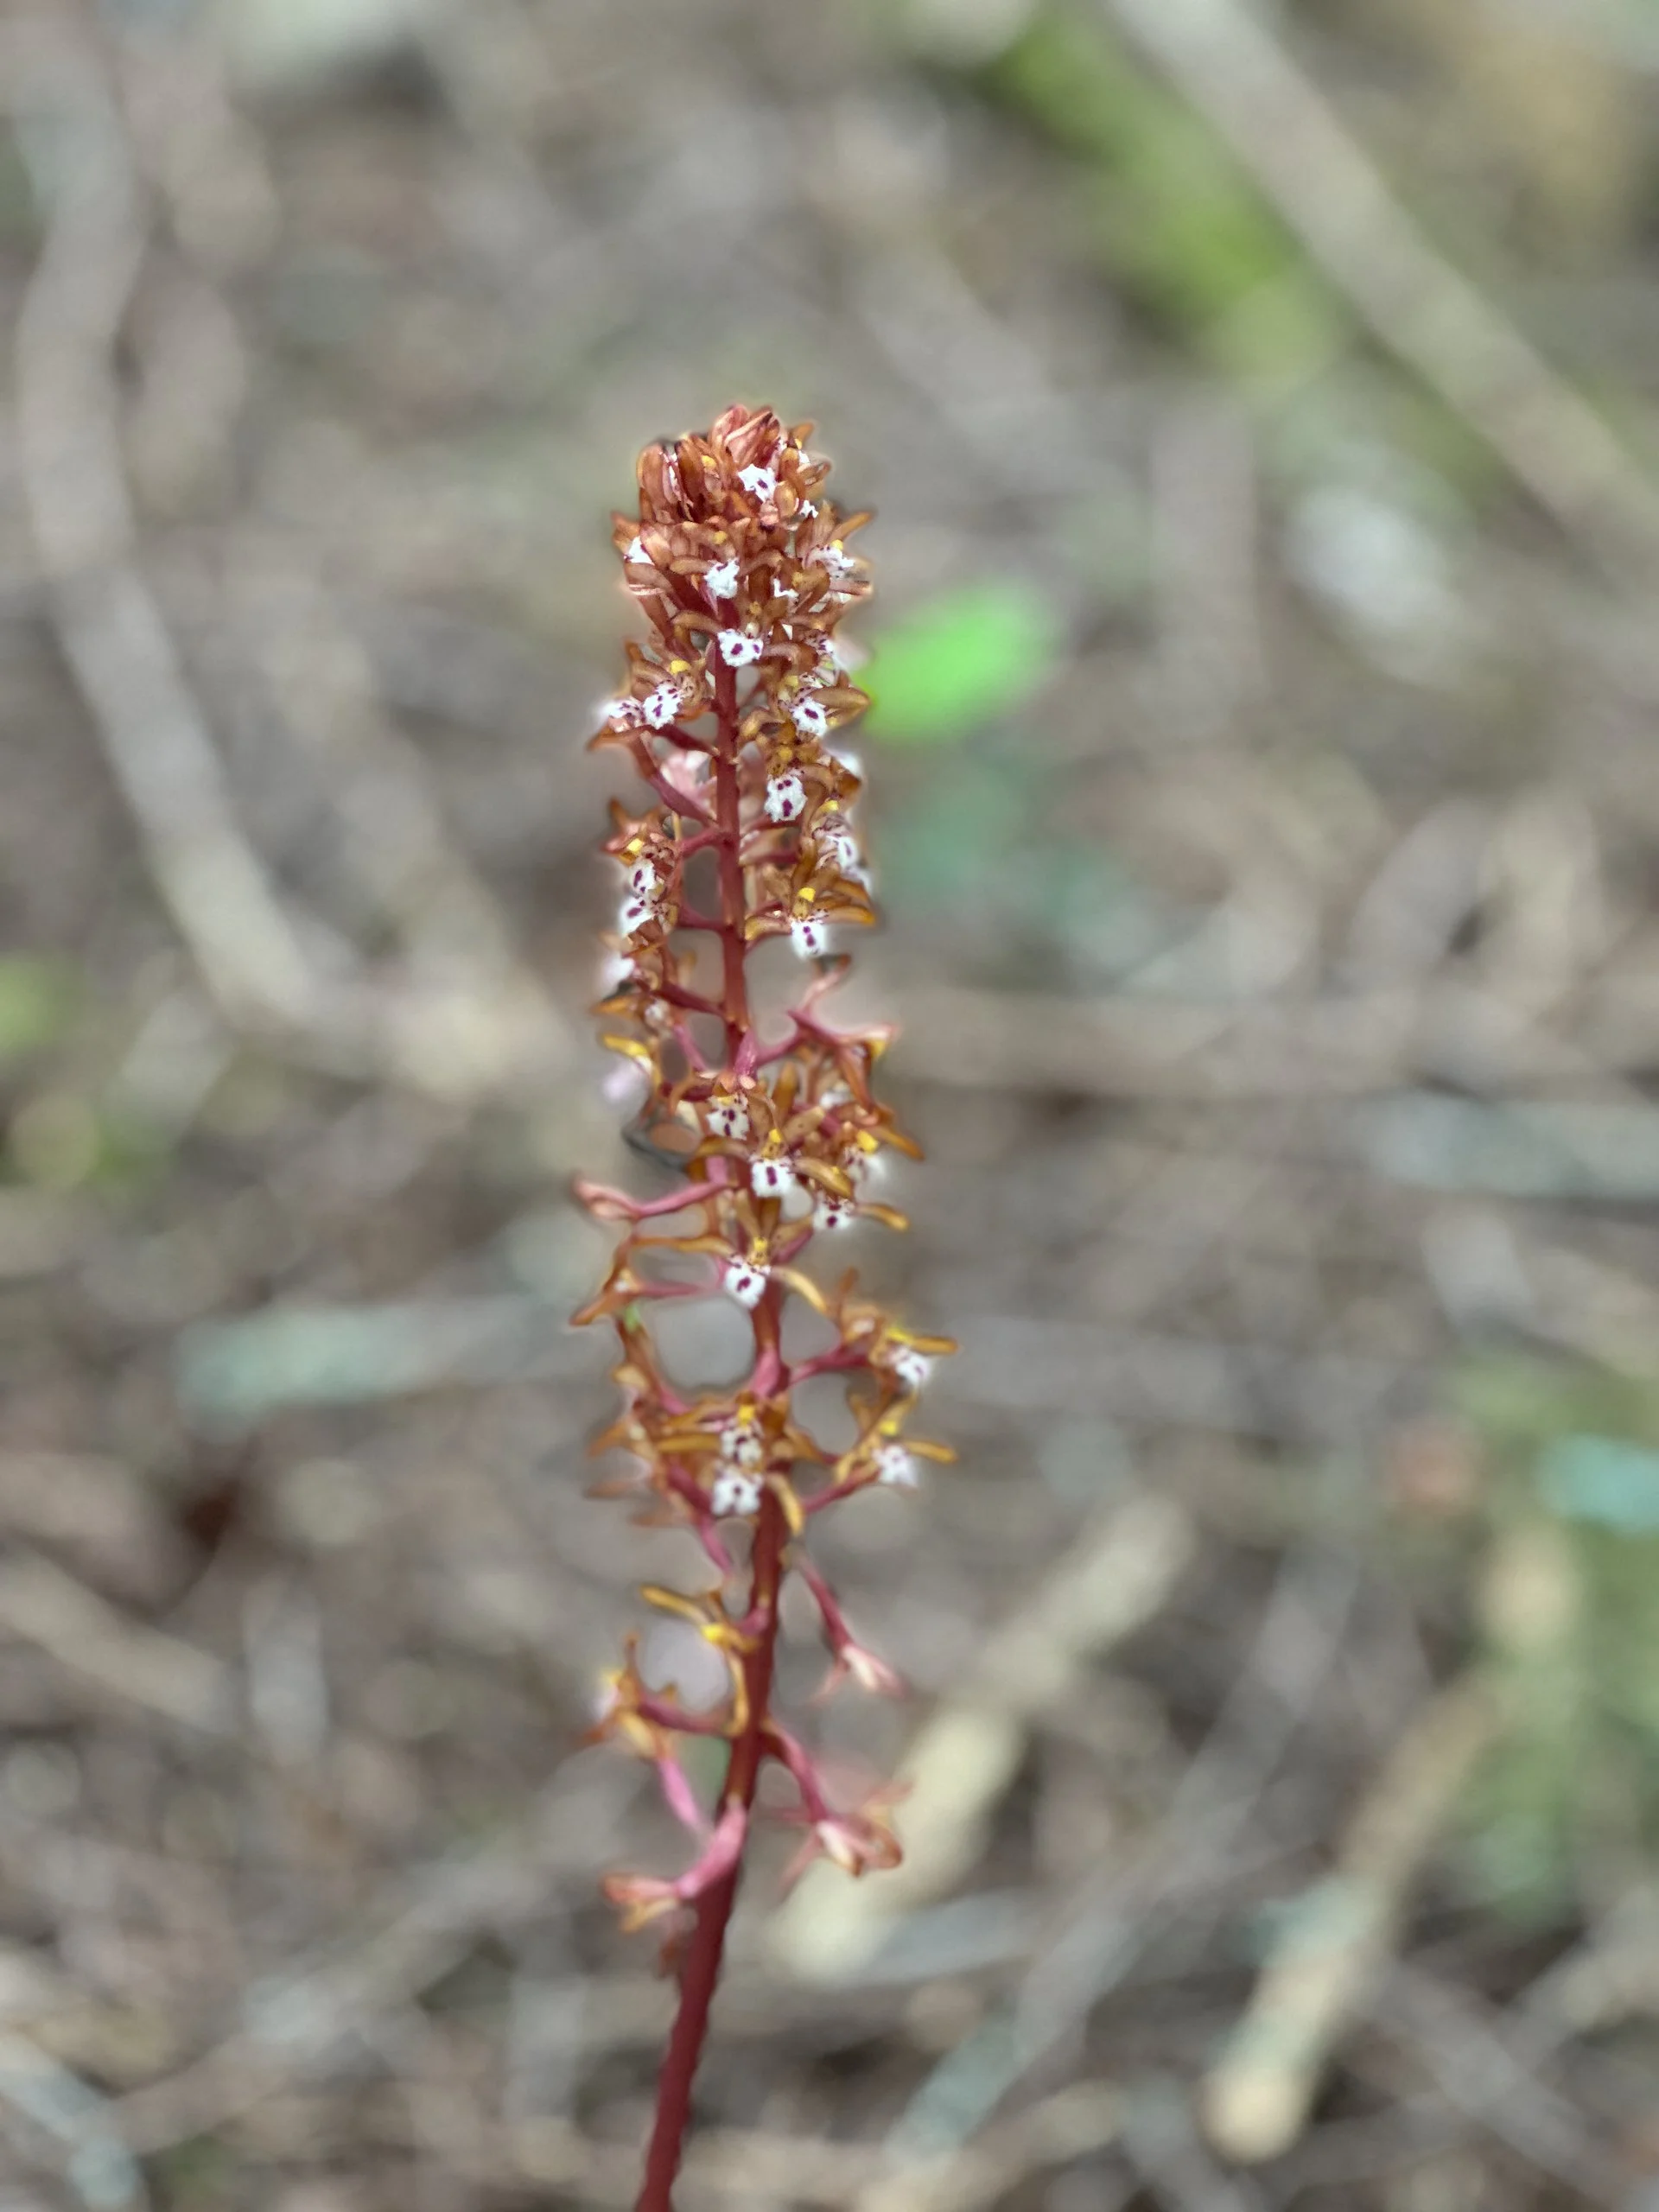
{"points": [[831, 1213], [912, 1367], [742, 1447], [808, 935], [836, 841], [856, 1845], [809, 718], [759, 483], [786, 798], [740, 648], [728, 1117], [894, 1466], [772, 1177], [661, 704], [735, 1493], [827, 668], [721, 579], [744, 1282], [872, 1673]]}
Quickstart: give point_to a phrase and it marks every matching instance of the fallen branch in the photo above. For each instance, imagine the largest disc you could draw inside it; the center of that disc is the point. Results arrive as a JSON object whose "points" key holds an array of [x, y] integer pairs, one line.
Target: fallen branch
{"points": [[1224, 59], [957, 1770], [1336, 1937]]}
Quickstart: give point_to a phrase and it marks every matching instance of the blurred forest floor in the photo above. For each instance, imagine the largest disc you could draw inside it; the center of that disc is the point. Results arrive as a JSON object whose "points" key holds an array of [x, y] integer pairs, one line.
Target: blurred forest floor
{"points": [[1261, 406]]}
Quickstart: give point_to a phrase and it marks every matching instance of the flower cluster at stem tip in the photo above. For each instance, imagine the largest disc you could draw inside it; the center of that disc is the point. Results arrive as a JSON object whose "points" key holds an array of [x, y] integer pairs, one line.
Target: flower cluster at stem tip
{"points": [[732, 716]]}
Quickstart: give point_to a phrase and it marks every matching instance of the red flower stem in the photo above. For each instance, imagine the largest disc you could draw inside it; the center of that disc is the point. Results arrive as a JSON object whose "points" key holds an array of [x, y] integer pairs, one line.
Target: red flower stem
{"points": [[677, 801], [700, 1967], [693, 1002], [733, 905]]}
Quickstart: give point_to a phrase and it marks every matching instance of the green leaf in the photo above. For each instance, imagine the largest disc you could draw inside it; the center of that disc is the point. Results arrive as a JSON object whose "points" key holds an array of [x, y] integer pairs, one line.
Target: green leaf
{"points": [[1174, 215], [959, 662], [1604, 1480]]}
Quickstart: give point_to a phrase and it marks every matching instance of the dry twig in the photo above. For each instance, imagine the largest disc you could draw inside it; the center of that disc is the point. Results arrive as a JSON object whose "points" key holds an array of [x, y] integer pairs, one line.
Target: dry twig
{"points": [[1224, 59]]}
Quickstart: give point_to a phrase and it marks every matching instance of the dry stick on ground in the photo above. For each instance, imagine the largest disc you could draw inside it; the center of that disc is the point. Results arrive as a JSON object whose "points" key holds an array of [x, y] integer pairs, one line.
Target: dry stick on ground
{"points": [[129, 1660], [1258, 2096], [1109, 1921], [57, 2108], [74, 482], [739, 2170], [1334, 1044], [126, 663], [1477, 2070], [1225, 61], [428, 1921]]}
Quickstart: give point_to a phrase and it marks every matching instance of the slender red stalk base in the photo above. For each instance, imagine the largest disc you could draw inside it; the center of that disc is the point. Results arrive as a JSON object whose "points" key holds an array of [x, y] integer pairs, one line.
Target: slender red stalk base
{"points": [[700, 1967]]}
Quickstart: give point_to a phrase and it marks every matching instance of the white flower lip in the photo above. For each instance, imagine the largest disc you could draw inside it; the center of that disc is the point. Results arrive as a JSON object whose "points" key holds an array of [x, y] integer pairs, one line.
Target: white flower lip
{"points": [[773, 1176], [661, 705], [742, 1447], [740, 649], [734, 1492], [728, 1117], [894, 1467], [747, 1284], [759, 483], [722, 579], [809, 718], [912, 1367], [808, 935], [785, 798], [837, 842]]}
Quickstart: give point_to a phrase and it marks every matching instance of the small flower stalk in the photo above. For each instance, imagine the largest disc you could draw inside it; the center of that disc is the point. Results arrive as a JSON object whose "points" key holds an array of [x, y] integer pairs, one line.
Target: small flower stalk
{"points": [[732, 715]]}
